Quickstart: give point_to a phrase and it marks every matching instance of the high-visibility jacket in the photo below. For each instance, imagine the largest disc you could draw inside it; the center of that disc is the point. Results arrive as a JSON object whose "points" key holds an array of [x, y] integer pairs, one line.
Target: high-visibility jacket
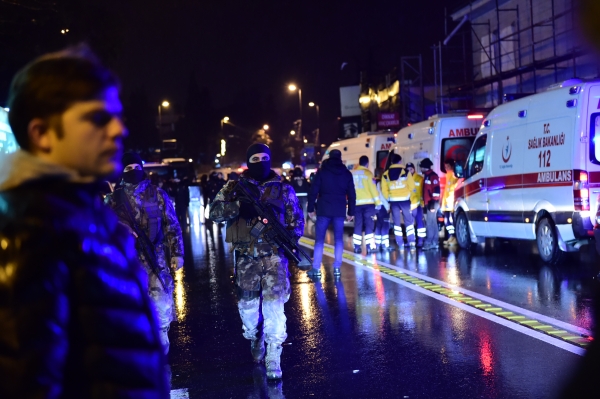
{"points": [[448, 197], [416, 197], [364, 185], [397, 183]]}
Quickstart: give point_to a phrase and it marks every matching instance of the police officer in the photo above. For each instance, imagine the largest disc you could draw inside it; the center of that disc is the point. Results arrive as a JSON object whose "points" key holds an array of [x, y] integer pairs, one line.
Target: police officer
{"points": [[301, 187], [431, 199], [261, 270], [397, 185], [416, 204], [367, 204], [448, 202]]}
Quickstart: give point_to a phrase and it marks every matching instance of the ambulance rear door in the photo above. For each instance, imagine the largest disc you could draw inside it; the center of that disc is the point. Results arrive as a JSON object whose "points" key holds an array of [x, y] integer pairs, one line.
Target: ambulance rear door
{"points": [[379, 154], [548, 161], [593, 157], [455, 136]]}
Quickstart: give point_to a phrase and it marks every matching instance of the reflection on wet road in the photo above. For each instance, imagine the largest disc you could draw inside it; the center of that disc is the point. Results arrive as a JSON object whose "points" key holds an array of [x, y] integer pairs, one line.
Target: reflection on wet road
{"points": [[370, 335]]}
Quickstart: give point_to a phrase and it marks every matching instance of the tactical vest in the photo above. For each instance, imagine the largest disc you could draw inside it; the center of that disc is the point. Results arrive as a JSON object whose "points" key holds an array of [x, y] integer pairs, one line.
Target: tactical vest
{"points": [[238, 229], [152, 210]]}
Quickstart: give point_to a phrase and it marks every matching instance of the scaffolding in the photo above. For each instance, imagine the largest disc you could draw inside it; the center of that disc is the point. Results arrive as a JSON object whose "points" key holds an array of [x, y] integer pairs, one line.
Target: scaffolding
{"points": [[543, 48]]}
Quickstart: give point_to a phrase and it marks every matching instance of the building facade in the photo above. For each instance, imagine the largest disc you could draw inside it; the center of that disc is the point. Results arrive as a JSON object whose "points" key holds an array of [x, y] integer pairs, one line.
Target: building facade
{"points": [[522, 47]]}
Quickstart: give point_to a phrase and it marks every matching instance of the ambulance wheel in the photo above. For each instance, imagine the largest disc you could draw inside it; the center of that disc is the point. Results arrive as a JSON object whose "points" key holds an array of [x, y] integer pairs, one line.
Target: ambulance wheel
{"points": [[463, 235], [547, 241]]}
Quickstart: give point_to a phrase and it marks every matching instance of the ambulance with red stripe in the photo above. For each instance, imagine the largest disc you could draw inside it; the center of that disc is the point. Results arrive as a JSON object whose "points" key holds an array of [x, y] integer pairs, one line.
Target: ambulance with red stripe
{"points": [[438, 138], [375, 145], [533, 172]]}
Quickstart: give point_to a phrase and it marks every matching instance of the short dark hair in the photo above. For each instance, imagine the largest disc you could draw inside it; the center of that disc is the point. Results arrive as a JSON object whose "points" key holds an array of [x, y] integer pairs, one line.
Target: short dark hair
{"points": [[363, 160], [449, 161], [396, 158], [50, 84]]}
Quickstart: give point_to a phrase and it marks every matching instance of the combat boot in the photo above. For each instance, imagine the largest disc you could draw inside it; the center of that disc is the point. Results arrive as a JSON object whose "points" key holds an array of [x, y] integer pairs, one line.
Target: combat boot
{"points": [[257, 347], [452, 242], [273, 361]]}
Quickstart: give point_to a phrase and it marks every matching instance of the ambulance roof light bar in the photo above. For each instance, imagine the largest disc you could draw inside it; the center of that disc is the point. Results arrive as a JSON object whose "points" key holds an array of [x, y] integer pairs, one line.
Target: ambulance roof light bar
{"points": [[475, 116]]}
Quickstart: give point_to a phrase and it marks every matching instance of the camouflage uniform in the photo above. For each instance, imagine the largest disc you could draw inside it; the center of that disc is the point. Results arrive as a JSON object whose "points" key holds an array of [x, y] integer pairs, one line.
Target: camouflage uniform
{"points": [[261, 271], [154, 213]]}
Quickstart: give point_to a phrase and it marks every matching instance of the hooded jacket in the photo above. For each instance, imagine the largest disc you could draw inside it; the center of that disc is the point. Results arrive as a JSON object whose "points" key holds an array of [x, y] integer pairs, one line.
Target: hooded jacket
{"points": [[333, 186], [76, 320]]}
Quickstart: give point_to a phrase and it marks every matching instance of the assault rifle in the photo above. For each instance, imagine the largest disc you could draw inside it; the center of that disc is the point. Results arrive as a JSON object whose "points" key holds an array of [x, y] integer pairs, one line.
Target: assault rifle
{"points": [[142, 239], [271, 229]]}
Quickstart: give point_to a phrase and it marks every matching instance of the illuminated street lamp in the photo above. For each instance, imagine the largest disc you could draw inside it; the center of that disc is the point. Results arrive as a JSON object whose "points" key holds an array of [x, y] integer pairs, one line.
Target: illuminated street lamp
{"points": [[293, 87], [292, 132], [164, 104], [224, 120], [316, 106], [265, 127]]}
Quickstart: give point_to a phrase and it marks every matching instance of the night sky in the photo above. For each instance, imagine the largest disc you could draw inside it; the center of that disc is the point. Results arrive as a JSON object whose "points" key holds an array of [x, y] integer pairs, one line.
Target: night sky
{"points": [[248, 51]]}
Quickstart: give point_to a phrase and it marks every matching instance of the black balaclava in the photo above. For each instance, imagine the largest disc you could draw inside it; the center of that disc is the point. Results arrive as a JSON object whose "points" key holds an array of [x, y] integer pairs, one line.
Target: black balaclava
{"points": [[133, 176], [259, 171]]}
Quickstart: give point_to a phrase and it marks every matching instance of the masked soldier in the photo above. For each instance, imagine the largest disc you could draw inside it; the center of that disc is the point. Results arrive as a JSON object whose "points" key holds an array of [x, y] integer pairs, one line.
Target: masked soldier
{"points": [[261, 270], [149, 214]]}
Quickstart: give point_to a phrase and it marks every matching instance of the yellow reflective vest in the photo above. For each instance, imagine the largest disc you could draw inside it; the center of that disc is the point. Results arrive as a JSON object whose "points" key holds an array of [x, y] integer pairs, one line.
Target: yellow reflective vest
{"points": [[448, 197], [416, 198], [364, 185], [397, 185]]}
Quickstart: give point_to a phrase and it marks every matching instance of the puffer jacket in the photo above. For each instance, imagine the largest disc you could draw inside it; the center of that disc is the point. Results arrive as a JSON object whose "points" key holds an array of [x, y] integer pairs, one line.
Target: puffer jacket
{"points": [[76, 320], [333, 185]]}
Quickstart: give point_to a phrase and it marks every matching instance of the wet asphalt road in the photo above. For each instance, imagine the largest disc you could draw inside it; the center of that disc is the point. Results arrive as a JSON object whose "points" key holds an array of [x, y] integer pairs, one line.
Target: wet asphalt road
{"points": [[366, 336]]}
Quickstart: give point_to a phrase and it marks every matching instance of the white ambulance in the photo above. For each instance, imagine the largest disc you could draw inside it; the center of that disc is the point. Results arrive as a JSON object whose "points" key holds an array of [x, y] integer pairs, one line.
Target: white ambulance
{"points": [[440, 137], [530, 171], [375, 145]]}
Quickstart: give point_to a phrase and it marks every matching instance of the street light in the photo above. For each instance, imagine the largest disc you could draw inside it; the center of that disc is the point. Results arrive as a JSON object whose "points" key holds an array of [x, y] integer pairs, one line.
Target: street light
{"points": [[265, 127], [312, 104], [164, 104], [293, 87], [224, 120], [292, 132]]}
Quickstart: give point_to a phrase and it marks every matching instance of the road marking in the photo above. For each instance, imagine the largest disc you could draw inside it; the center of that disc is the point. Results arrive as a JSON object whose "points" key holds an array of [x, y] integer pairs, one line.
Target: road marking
{"points": [[180, 393], [533, 324]]}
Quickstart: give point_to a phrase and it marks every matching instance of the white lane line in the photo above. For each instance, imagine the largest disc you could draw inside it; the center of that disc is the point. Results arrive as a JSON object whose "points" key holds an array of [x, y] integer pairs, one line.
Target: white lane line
{"points": [[180, 393], [486, 315]]}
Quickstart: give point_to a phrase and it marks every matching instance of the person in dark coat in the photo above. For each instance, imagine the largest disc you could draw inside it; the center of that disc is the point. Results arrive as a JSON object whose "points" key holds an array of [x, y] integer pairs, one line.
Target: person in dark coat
{"points": [[76, 319], [182, 200], [333, 186]]}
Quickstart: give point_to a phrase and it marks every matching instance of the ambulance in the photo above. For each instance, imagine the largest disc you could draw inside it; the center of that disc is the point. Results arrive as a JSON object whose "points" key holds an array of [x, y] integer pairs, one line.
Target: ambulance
{"points": [[375, 145], [533, 172], [438, 138]]}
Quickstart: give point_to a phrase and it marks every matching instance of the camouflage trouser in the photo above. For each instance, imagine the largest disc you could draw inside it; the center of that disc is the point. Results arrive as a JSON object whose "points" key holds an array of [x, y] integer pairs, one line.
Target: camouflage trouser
{"points": [[163, 304], [268, 278]]}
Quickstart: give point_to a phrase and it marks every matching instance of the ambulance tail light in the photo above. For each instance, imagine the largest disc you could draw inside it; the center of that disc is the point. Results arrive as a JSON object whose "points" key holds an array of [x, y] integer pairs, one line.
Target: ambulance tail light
{"points": [[581, 192], [598, 211]]}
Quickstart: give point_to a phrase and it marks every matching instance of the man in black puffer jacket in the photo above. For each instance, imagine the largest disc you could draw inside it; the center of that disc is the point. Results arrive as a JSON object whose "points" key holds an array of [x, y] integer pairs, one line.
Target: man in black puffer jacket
{"points": [[75, 317], [334, 186]]}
